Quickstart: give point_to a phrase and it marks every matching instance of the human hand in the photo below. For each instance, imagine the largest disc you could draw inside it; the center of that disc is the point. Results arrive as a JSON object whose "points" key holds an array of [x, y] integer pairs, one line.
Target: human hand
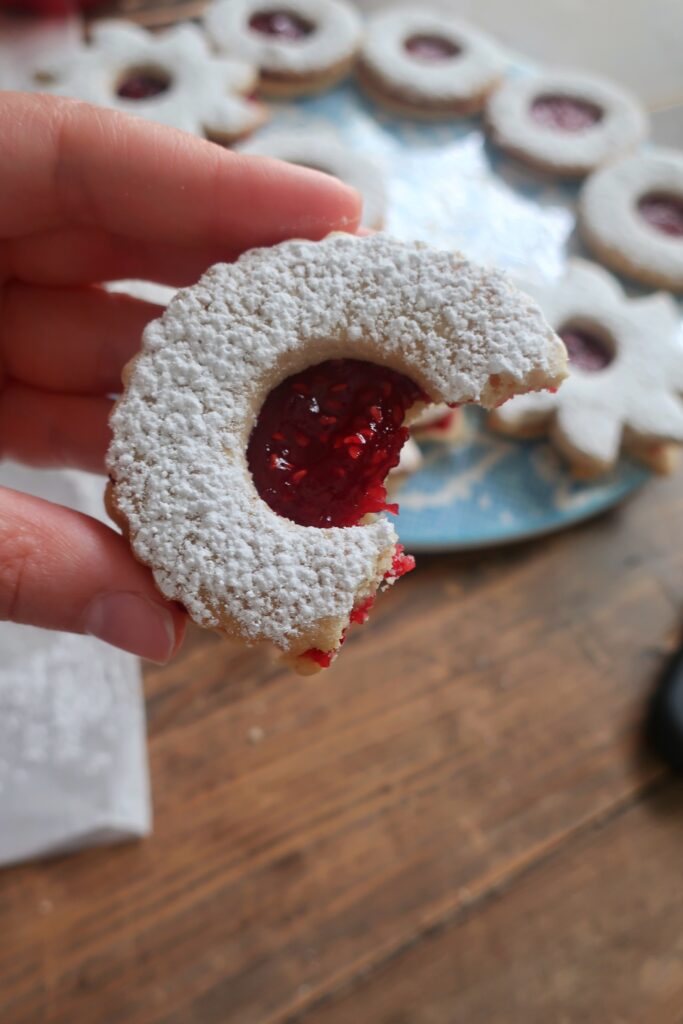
{"points": [[88, 195]]}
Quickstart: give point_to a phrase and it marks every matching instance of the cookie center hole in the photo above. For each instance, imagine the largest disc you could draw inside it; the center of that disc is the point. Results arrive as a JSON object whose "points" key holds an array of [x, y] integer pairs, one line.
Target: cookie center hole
{"points": [[142, 83], [281, 23], [431, 48], [565, 113], [589, 350], [325, 440], [663, 212]]}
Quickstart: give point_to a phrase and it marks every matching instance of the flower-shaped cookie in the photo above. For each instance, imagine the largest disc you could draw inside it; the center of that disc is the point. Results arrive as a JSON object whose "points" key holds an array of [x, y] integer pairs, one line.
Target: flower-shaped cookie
{"points": [[626, 374], [172, 78]]}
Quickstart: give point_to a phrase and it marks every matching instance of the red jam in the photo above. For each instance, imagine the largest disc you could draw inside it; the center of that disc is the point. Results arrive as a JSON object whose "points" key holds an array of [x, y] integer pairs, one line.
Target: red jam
{"points": [[565, 113], [431, 48], [143, 84], [586, 350], [326, 438], [663, 212], [281, 23]]}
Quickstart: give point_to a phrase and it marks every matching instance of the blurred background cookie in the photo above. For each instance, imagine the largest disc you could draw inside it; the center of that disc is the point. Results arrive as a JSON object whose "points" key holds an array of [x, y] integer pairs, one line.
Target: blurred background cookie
{"points": [[171, 77], [299, 47], [426, 63], [631, 216], [564, 122]]}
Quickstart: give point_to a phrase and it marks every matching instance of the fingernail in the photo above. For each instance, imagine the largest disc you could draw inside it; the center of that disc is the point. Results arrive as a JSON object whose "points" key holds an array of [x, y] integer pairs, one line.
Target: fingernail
{"points": [[133, 623]]}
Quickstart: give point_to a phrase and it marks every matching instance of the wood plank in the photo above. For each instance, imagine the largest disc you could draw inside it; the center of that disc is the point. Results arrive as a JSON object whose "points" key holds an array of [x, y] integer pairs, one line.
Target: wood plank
{"points": [[489, 712], [593, 936]]}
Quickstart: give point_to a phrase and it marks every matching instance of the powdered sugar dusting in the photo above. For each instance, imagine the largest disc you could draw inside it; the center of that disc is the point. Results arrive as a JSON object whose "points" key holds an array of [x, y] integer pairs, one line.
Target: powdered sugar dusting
{"points": [[181, 429]]}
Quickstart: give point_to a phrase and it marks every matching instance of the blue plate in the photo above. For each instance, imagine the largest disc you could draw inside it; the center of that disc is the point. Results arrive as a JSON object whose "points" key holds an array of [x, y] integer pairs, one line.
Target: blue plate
{"points": [[491, 490], [447, 186]]}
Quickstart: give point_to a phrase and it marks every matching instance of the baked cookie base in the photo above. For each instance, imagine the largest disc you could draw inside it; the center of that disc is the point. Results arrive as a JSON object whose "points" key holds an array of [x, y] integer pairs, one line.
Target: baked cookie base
{"points": [[289, 86], [408, 105]]}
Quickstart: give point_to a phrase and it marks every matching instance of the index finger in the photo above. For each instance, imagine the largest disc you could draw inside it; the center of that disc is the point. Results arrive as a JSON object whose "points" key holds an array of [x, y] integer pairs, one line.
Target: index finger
{"points": [[66, 163]]}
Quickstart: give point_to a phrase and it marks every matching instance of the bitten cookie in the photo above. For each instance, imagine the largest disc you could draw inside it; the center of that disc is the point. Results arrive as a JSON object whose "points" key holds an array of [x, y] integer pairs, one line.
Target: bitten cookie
{"points": [[266, 407], [300, 47], [631, 216], [564, 122], [427, 64], [323, 151], [625, 374], [172, 78]]}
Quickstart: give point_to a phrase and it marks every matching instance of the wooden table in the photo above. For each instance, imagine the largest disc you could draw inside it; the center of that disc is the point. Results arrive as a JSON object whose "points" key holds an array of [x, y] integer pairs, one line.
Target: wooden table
{"points": [[457, 823]]}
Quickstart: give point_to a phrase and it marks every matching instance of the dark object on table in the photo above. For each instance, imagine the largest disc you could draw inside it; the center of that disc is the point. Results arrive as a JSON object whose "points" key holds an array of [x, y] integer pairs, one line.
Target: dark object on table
{"points": [[665, 718]]}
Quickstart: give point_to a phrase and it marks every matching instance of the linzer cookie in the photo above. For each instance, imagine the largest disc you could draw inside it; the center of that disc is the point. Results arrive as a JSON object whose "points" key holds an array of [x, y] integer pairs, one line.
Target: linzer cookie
{"points": [[625, 375], [300, 47], [259, 421], [171, 77], [564, 122], [428, 64], [631, 216]]}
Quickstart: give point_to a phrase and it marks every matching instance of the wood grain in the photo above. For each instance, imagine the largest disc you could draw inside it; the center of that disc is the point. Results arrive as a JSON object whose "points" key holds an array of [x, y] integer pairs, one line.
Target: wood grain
{"points": [[594, 935], [308, 831]]}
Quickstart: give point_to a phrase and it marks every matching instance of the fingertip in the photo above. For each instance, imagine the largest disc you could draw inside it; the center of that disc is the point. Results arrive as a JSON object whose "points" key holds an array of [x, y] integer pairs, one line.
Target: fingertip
{"points": [[292, 201]]}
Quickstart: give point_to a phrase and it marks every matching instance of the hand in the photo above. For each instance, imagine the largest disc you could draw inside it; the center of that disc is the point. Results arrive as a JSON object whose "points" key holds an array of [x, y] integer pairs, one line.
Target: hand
{"points": [[87, 195]]}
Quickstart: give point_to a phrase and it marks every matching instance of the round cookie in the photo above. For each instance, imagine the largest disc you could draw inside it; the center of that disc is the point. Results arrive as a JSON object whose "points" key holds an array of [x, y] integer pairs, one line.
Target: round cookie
{"points": [[299, 46], [625, 383], [324, 152], [257, 365], [564, 122], [427, 64], [631, 216], [170, 77]]}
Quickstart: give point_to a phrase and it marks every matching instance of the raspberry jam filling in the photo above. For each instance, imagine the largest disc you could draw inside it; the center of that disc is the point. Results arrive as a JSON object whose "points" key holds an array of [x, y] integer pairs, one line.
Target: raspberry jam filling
{"points": [[326, 438], [586, 350], [143, 83], [431, 48], [281, 23], [400, 565], [565, 113], [663, 212]]}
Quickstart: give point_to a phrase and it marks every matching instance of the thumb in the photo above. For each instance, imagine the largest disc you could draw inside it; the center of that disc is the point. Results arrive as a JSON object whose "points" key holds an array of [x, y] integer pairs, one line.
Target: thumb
{"points": [[62, 570]]}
